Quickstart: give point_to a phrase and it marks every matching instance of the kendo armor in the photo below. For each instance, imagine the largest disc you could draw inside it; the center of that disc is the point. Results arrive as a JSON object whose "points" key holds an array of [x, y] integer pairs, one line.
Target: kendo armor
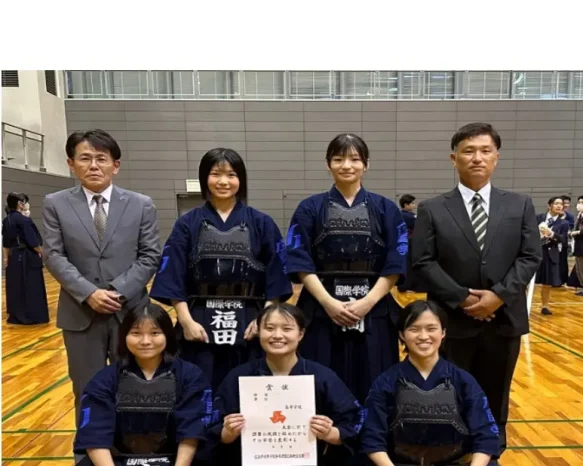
{"points": [[424, 415], [348, 244], [145, 415], [224, 265]]}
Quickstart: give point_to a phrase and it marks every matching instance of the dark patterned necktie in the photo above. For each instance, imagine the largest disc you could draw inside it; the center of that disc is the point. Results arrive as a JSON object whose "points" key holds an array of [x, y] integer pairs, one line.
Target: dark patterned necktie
{"points": [[100, 217], [479, 220]]}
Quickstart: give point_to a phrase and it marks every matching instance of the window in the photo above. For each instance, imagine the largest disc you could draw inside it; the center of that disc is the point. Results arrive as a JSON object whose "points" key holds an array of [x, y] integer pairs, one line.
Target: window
{"points": [[127, 84], [310, 84], [51, 82], [9, 78], [387, 84], [410, 85], [487, 84], [439, 84], [354, 84], [218, 84], [539, 85], [576, 85], [171, 84], [263, 84], [85, 84]]}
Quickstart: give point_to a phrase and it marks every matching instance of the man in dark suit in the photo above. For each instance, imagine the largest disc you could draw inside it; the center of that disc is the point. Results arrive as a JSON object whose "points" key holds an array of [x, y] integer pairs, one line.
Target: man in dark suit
{"points": [[477, 248]]}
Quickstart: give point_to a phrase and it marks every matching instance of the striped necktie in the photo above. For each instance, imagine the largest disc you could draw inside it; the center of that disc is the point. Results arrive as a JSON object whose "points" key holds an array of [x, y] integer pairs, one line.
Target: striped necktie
{"points": [[100, 217], [479, 220]]}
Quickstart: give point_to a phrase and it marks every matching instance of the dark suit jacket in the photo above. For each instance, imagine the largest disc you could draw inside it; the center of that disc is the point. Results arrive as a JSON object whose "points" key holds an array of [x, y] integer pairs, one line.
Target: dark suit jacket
{"points": [[448, 259], [578, 249], [561, 229]]}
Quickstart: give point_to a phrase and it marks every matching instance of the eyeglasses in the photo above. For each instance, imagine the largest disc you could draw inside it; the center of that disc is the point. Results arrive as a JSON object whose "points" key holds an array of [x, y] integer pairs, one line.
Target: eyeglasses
{"points": [[99, 160]]}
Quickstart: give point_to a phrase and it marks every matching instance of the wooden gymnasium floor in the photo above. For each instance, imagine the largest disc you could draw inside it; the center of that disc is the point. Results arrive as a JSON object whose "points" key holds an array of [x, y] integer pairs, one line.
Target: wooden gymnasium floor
{"points": [[546, 411]]}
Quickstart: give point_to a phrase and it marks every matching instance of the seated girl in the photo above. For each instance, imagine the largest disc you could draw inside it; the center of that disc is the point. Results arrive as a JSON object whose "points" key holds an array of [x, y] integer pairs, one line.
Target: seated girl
{"points": [[149, 408], [339, 416], [424, 410]]}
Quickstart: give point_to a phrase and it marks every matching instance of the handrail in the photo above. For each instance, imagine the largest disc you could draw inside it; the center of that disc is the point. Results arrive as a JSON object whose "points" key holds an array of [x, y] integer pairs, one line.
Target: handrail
{"points": [[25, 134]]}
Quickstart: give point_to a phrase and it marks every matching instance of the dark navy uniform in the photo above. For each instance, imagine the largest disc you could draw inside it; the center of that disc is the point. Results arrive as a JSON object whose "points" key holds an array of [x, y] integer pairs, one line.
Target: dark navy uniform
{"points": [[225, 271], [412, 282], [139, 419], [349, 247], [333, 399], [26, 296], [549, 272], [432, 422]]}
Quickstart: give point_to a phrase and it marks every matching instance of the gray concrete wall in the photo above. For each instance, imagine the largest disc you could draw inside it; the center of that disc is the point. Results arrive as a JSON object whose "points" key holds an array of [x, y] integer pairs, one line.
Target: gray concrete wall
{"points": [[283, 144]]}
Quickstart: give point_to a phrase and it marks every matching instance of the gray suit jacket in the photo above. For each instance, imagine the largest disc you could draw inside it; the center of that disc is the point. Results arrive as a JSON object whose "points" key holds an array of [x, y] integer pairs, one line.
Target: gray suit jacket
{"points": [[125, 261]]}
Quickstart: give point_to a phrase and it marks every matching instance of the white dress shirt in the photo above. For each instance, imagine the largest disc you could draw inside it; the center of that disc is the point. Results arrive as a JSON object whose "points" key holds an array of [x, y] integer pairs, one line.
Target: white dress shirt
{"points": [[468, 194], [91, 202]]}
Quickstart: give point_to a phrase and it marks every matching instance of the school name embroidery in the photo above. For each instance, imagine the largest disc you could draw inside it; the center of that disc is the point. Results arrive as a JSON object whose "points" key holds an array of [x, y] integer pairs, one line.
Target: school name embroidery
{"points": [[352, 291]]}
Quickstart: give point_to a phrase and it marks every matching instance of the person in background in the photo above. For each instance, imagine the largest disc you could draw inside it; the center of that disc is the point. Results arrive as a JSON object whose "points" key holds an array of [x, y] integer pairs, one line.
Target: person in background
{"points": [[577, 235], [407, 203], [26, 296], [150, 406], [567, 250], [338, 415], [412, 282], [554, 232], [402, 425], [566, 210]]}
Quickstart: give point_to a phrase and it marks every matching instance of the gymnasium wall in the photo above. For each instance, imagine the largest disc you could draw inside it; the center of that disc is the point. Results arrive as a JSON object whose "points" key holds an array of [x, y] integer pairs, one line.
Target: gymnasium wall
{"points": [[283, 144]]}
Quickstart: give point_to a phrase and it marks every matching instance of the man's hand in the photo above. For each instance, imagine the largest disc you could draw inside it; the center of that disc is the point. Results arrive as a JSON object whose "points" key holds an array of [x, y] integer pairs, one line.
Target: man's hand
{"points": [[104, 301], [487, 305], [470, 301]]}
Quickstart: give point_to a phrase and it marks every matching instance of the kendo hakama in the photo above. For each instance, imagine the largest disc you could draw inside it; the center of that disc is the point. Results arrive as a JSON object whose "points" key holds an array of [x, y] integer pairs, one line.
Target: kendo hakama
{"points": [[26, 296], [349, 247], [225, 271]]}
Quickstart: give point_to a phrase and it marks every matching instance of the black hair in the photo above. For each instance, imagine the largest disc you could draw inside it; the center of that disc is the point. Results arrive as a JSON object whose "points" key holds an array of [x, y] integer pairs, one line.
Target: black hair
{"points": [[580, 198], [220, 156], [98, 138], [288, 310], [13, 199], [160, 318], [475, 129], [566, 198], [552, 199], [410, 313], [406, 199], [342, 143]]}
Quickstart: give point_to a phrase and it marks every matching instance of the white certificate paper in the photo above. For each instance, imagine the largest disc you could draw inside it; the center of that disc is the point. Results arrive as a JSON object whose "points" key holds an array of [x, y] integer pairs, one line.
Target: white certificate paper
{"points": [[277, 413]]}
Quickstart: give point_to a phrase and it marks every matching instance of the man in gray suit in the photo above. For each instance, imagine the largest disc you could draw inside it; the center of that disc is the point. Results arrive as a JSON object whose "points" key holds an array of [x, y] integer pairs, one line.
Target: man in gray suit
{"points": [[102, 275]]}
